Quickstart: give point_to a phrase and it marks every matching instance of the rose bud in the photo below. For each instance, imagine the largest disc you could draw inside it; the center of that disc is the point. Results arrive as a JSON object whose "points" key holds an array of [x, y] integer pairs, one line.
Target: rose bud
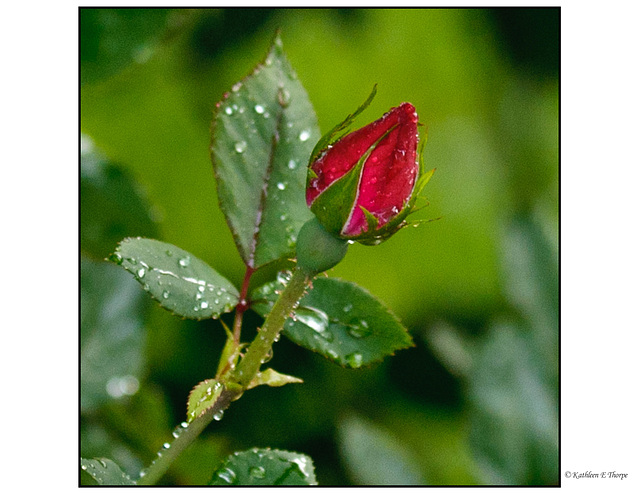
{"points": [[362, 186]]}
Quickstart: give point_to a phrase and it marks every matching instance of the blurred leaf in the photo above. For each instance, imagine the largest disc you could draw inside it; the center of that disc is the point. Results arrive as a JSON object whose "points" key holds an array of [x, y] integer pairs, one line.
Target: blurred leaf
{"points": [[340, 321], [105, 472], [112, 206], [112, 312], [203, 398], [372, 456], [111, 39], [180, 282], [263, 133], [265, 467], [514, 416], [531, 283]]}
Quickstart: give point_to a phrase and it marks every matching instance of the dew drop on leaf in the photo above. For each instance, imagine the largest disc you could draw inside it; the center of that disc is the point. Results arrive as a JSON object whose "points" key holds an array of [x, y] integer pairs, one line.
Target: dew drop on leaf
{"points": [[141, 272], [281, 186], [259, 109], [291, 164], [184, 262], [227, 475], [315, 319], [354, 360], [240, 146], [257, 472], [304, 135]]}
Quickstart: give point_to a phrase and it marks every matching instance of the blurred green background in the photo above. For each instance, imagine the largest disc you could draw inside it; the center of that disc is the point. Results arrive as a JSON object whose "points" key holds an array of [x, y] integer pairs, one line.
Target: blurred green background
{"points": [[476, 400]]}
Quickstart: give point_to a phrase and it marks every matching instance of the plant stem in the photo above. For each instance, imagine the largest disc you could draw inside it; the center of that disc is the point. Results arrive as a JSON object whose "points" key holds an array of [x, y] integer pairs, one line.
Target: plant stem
{"points": [[159, 466], [282, 309], [243, 375], [183, 438], [242, 305]]}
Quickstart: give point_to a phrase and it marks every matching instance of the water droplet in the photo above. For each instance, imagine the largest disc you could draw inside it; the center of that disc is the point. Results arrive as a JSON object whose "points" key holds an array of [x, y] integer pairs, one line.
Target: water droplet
{"points": [[283, 277], [304, 135], [315, 319], [227, 474], [358, 328], [283, 217], [217, 416], [292, 164], [228, 111], [347, 308], [201, 288], [354, 360], [204, 304], [236, 87], [116, 258], [141, 272], [240, 146], [166, 445], [284, 97], [257, 472], [169, 253], [281, 186], [184, 262], [259, 109]]}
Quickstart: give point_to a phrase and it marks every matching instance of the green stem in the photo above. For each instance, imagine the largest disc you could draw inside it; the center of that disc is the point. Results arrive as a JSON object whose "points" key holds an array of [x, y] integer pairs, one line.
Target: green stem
{"points": [[183, 437], [247, 369], [282, 309], [159, 466]]}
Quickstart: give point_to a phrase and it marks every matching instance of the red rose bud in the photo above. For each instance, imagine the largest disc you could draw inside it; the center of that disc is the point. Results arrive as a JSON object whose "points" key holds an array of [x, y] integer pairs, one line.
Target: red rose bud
{"points": [[362, 186]]}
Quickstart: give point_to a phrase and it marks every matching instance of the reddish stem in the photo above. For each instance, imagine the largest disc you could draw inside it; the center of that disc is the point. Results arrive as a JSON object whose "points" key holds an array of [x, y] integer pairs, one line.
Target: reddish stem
{"points": [[242, 305]]}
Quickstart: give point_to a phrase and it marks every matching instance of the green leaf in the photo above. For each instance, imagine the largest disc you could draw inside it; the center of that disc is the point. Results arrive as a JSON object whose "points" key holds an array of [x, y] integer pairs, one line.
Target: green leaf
{"points": [[203, 398], [513, 413], [339, 320], [265, 467], [372, 455], [112, 336], [263, 133], [272, 378], [112, 206], [105, 472], [180, 282]]}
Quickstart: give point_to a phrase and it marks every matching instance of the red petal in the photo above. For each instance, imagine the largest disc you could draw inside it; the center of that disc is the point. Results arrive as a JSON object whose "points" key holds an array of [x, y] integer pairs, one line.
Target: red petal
{"points": [[390, 173], [345, 153]]}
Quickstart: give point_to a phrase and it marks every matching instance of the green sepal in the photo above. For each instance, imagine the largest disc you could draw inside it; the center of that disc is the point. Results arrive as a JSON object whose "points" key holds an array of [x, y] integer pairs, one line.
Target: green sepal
{"points": [[230, 354], [330, 137], [333, 205], [372, 220]]}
